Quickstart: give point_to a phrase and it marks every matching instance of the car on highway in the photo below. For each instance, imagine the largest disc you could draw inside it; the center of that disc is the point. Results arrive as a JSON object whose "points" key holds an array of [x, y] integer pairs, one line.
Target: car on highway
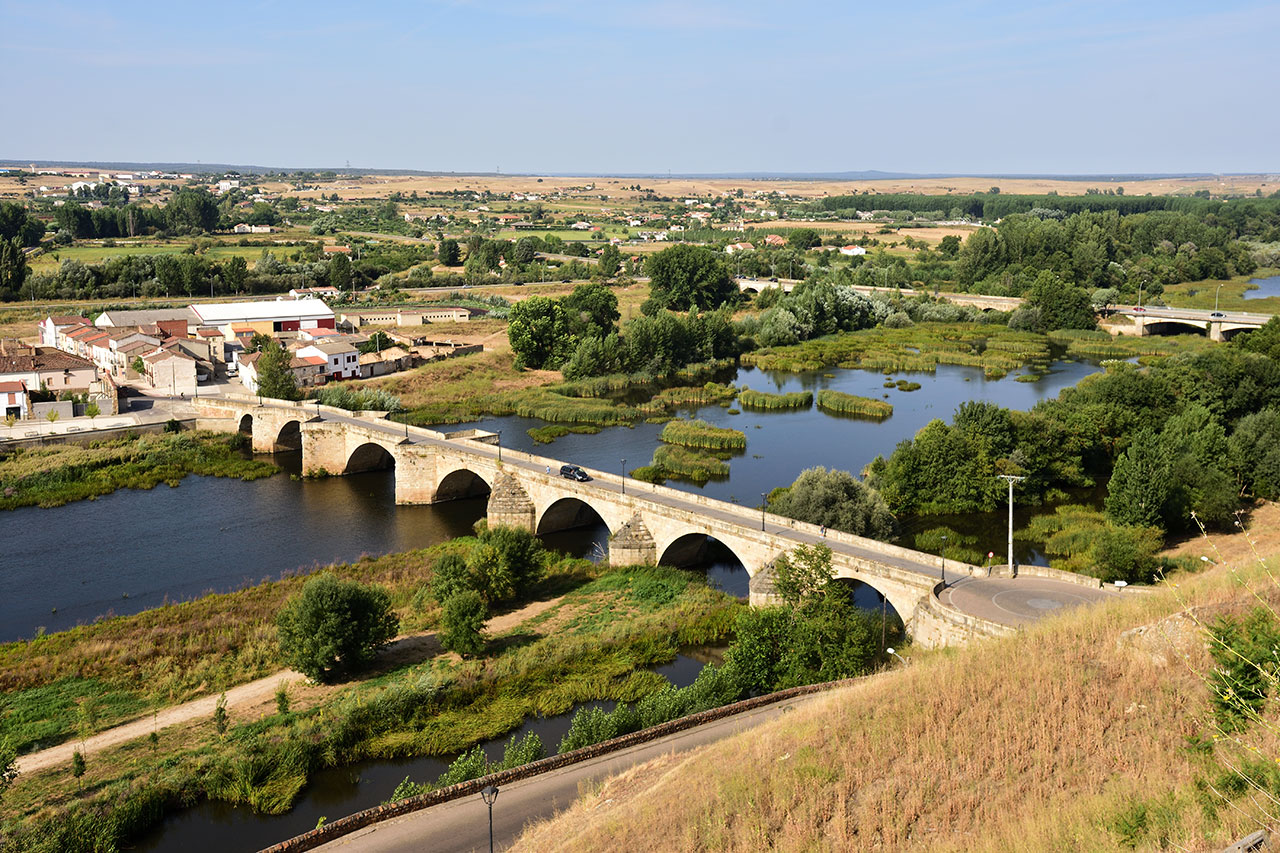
{"points": [[1139, 308], [573, 472], [1217, 314]]}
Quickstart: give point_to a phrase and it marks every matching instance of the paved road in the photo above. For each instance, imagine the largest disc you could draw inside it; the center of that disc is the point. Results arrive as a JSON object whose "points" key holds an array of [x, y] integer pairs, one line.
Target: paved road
{"points": [[462, 825], [980, 594], [1158, 313], [1018, 601]]}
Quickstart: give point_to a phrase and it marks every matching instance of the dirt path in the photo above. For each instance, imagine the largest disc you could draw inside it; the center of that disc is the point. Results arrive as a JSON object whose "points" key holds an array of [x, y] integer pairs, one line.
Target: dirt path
{"points": [[256, 699]]}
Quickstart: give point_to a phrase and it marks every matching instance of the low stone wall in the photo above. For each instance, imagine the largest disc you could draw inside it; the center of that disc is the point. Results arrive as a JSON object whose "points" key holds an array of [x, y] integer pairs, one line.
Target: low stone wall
{"points": [[936, 625], [1045, 572], [359, 820], [105, 434]]}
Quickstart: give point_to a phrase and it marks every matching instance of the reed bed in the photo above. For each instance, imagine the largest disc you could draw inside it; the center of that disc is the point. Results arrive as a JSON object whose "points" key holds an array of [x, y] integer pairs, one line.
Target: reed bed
{"points": [[764, 401], [851, 405], [704, 435], [58, 474], [549, 433], [671, 461]]}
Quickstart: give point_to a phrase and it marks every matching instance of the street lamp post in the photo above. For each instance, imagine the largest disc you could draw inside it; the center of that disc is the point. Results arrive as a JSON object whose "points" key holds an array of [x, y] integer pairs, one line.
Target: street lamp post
{"points": [[944, 562], [499, 446], [762, 506], [490, 794], [1011, 480], [624, 476], [898, 656], [1215, 298]]}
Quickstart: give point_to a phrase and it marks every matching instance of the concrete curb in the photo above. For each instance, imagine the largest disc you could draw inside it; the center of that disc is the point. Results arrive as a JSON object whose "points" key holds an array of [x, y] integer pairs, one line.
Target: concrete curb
{"points": [[359, 820]]}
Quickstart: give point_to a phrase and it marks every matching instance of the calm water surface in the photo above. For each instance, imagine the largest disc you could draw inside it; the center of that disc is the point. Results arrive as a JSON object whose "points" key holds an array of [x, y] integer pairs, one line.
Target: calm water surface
{"points": [[216, 826], [132, 550], [1267, 287]]}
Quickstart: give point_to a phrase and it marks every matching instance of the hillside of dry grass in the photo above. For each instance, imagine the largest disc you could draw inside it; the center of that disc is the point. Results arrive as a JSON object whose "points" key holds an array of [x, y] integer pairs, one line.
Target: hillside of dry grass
{"points": [[1071, 736]]}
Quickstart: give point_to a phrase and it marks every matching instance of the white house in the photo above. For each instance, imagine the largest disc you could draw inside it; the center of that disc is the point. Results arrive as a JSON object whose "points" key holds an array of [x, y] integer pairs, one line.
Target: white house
{"points": [[50, 326], [342, 360], [852, 250], [738, 247], [13, 400]]}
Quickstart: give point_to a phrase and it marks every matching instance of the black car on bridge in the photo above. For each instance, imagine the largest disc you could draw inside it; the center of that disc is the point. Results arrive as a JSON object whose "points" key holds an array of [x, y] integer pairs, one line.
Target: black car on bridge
{"points": [[573, 472]]}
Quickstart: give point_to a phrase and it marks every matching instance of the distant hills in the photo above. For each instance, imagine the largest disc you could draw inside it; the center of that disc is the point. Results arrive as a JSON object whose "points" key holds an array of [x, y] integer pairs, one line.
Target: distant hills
{"points": [[864, 175]]}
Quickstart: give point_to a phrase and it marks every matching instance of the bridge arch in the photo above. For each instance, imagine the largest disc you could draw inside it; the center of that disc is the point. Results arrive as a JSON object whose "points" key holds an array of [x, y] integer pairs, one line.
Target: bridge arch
{"points": [[567, 513], [246, 425], [288, 437], [1229, 332], [1174, 326], [725, 567], [369, 456], [461, 483]]}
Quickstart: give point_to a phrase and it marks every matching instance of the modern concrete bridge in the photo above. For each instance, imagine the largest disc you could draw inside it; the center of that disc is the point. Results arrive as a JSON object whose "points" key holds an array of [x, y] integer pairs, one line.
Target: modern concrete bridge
{"points": [[1219, 325], [647, 523], [977, 300]]}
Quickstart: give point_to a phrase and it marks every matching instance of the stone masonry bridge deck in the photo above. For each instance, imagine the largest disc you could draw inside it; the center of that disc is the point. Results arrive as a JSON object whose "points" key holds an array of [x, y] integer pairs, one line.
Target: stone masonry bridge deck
{"points": [[647, 523]]}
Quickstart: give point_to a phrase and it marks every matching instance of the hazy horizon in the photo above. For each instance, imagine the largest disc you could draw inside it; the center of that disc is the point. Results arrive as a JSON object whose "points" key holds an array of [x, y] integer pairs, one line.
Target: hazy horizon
{"points": [[1074, 88]]}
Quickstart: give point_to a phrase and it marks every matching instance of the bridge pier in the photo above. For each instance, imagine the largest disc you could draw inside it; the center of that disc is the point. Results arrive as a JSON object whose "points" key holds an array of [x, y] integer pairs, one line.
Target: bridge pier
{"points": [[510, 505], [415, 475], [633, 544]]}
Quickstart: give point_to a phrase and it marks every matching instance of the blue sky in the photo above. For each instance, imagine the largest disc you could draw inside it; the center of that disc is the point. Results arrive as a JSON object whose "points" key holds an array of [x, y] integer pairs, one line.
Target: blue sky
{"points": [[647, 87]]}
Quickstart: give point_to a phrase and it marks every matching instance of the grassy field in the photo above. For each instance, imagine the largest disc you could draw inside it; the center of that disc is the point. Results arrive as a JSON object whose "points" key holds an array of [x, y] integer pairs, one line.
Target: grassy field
{"points": [[1201, 294], [592, 644], [1073, 735], [49, 261]]}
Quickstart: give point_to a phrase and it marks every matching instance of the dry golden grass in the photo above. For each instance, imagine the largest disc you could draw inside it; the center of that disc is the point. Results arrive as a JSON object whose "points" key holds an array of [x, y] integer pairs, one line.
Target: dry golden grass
{"points": [[1033, 743]]}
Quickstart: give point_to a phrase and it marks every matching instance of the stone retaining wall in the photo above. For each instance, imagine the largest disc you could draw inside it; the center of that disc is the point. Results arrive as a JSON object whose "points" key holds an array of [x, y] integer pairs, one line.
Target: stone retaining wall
{"points": [[359, 820], [936, 625], [1002, 571]]}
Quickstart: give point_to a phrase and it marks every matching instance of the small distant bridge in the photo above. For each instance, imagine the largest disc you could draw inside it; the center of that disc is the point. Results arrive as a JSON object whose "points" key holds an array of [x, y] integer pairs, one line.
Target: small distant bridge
{"points": [[1218, 325]]}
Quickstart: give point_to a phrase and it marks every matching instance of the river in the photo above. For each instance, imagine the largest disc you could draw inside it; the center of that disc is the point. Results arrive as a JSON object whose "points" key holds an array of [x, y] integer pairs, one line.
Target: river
{"points": [[1266, 288], [133, 550]]}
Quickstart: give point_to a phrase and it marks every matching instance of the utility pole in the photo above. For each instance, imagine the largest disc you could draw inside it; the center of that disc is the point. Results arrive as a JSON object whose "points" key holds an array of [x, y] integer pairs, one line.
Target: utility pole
{"points": [[1011, 480]]}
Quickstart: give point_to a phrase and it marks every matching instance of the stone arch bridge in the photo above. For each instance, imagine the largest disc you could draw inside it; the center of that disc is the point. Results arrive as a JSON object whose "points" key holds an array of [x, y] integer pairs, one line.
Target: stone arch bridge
{"points": [[647, 523]]}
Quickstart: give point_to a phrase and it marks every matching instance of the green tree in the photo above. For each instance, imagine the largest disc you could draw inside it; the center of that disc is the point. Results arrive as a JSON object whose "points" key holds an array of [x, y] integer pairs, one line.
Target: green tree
{"points": [[949, 248], [505, 563], [804, 238], [77, 766], [92, 411], [835, 499], [13, 269], [1060, 305], [538, 330], [591, 309], [610, 261], [235, 272], [450, 253], [450, 576], [462, 623], [802, 574], [275, 378], [334, 626], [1140, 484], [340, 272], [377, 342], [684, 277]]}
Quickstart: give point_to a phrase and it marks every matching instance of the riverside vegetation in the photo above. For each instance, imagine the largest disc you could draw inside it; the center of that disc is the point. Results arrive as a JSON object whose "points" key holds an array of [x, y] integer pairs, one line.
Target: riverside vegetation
{"points": [[53, 475], [1147, 724], [577, 650]]}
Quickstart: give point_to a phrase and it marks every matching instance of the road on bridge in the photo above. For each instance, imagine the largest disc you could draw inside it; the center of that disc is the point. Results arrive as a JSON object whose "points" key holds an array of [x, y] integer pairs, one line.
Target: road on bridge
{"points": [[980, 593], [463, 824]]}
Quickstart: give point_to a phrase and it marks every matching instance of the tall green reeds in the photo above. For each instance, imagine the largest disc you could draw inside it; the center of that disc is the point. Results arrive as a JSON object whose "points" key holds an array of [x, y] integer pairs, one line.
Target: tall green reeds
{"points": [[764, 401], [840, 403], [675, 461], [702, 434]]}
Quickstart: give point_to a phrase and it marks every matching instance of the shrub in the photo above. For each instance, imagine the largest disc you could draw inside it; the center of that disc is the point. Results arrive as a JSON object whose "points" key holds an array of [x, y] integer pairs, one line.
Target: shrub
{"points": [[334, 625], [462, 623]]}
